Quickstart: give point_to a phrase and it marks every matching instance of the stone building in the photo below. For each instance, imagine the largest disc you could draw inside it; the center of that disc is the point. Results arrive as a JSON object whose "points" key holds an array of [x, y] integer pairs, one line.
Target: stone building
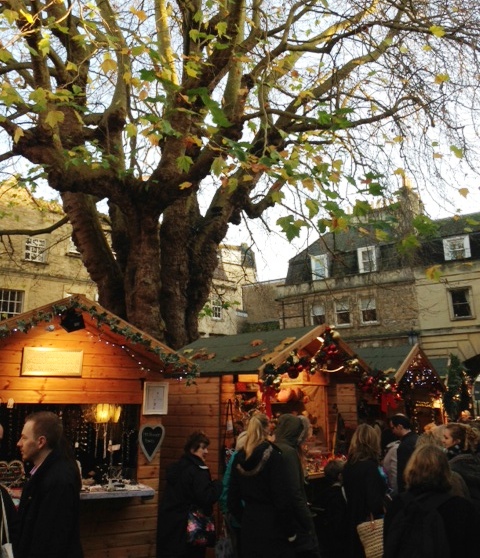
{"points": [[376, 295], [38, 268], [224, 313]]}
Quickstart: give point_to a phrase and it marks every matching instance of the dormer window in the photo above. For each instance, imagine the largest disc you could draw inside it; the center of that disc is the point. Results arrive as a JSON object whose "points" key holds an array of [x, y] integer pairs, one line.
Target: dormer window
{"points": [[456, 247], [319, 267], [367, 259]]}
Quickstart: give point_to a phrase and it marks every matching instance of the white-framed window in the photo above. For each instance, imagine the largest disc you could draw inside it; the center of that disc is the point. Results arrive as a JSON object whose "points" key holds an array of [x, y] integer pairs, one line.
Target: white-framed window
{"points": [[342, 312], [72, 249], [36, 249], [11, 303], [456, 247], [217, 309], [319, 266], [318, 314], [367, 259], [461, 303], [368, 310]]}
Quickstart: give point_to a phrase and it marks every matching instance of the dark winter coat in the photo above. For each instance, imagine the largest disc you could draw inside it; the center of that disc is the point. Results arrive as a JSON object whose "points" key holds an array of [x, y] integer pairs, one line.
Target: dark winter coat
{"points": [[459, 517], [290, 429], [331, 522], [189, 485], [49, 511], [365, 490], [467, 465], [259, 498], [404, 451]]}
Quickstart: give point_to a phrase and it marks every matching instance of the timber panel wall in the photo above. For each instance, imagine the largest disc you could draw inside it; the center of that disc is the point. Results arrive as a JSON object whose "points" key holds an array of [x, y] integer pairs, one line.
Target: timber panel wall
{"points": [[121, 528]]}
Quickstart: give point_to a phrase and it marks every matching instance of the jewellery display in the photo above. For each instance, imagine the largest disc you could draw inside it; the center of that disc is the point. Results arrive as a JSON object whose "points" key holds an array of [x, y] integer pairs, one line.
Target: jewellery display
{"points": [[100, 448]]}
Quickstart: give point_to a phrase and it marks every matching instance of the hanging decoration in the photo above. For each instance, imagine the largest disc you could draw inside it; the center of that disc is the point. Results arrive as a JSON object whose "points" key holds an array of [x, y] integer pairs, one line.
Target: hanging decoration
{"points": [[330, 358], [420, 377], [381, 386]]}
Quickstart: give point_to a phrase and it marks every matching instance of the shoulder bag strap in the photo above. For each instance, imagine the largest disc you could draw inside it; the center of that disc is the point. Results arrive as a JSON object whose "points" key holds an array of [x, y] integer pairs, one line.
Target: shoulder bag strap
{"points": [[229, 429], [4, 527]]}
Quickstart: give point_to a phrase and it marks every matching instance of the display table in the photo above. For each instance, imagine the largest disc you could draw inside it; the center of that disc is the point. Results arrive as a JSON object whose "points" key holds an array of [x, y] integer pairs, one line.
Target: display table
{"points": [[97, 492]]}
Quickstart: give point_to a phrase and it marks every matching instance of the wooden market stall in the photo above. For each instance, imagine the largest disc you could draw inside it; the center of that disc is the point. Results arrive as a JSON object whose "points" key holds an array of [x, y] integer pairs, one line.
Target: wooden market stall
{"points": [[301, 370], [107, 380], [403, 379]]}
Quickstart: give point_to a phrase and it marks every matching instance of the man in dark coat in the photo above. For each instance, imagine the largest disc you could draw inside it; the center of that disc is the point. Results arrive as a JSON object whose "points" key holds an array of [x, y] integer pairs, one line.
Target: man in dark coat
{"points": [[189, 486], [402, 429], [49, 506]]}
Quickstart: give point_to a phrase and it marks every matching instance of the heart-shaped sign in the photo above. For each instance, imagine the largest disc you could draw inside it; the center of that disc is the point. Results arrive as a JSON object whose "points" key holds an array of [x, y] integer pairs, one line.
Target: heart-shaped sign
{"points": [[11, 472], [150, 439]]}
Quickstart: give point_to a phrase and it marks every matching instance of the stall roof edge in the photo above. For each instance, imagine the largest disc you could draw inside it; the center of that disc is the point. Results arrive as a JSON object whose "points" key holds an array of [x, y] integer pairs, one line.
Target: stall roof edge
{"points": [[89, 310], [248, 353]]}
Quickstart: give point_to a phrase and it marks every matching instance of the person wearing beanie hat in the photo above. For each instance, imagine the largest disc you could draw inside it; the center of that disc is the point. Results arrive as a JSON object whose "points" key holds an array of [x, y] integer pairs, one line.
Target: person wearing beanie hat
{"points": [[291, 432]]}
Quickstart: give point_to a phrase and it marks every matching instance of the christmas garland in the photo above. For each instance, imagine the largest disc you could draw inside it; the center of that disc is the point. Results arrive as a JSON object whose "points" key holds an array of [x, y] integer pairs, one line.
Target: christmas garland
{"points": [[329, 358], [172, 361]]}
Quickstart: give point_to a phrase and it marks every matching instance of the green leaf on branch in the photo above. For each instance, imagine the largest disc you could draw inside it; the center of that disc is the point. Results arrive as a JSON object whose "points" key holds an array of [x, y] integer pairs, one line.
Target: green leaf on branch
{"points": [[313, 208], [424, 225], [184, 163], [215, 109], [457, 151], [54, 117], [291, 227]]}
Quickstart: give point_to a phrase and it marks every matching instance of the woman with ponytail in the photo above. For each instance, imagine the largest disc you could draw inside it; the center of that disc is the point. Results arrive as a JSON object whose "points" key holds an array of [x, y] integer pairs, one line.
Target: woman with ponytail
{"points": [[259, 495]]}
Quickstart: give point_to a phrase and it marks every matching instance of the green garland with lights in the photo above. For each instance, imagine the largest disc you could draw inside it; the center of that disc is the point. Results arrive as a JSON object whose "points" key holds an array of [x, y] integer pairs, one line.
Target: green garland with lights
{"points": [[173, 365]]}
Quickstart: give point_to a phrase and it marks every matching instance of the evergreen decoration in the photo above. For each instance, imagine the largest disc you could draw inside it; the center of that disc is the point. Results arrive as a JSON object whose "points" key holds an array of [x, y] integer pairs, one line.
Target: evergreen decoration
{"points": [[457, 396], [379, 383], [173, 367], [329, 358]]}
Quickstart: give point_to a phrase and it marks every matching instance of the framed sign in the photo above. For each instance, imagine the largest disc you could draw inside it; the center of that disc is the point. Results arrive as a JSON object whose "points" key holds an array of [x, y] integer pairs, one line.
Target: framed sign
{"points": [[41, 361], [155, 398]]}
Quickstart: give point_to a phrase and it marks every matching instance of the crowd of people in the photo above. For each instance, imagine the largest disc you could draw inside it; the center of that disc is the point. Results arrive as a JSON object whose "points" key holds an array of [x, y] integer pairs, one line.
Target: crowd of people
{"points": [[423, 489], [414, 483]]}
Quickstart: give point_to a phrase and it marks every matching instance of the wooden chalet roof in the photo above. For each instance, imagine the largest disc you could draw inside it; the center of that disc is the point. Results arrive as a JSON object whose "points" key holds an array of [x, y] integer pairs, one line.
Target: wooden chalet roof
{"points": [[99, 321], [250, 353], [400, 359]]}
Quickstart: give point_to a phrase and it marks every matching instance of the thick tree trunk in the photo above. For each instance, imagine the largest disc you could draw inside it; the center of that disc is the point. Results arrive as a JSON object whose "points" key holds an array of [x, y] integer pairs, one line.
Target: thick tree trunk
{"points": [[91, 241], [189, 257], [142, 274]]}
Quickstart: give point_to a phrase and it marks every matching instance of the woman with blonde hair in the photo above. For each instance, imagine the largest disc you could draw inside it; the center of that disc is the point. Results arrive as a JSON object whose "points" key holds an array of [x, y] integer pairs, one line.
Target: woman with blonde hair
{"points": [[260, 494], [428, 481], [365, 488]]}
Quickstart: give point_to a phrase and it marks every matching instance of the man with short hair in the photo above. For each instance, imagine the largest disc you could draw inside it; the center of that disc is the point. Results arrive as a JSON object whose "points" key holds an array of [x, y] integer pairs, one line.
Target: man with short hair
{"points": [[50, 501], [402, 428]]}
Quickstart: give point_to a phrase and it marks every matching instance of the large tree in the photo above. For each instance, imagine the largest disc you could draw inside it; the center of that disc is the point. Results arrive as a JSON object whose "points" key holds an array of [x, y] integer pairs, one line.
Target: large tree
{"points": [[186, 116]]}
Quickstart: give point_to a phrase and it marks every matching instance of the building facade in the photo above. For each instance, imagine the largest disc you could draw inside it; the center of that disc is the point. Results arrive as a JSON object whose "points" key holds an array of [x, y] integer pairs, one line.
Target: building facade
{"points": [[375, 295], [224, 313], [36, 268], [40, 263]]}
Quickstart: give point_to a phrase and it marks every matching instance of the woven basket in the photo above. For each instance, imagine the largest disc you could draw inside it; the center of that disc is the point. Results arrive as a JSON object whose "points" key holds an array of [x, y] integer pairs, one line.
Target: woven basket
{"points": [[371, 535]]}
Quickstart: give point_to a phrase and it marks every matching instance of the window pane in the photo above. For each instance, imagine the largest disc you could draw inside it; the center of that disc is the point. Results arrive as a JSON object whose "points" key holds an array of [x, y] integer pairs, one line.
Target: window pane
{"points": [[11, 303], [35, 249], [216, 309], [319, 266], [367, 259], [460, 303], [368, 310], [318, 314], [456, 248], [342, 310]]}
